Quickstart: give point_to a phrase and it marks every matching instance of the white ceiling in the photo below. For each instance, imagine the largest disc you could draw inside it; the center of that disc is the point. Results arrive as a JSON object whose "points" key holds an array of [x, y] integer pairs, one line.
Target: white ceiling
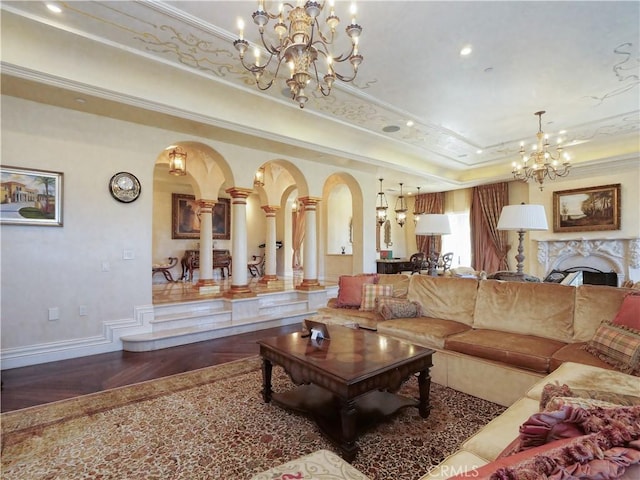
{"points": [[579, 61]]}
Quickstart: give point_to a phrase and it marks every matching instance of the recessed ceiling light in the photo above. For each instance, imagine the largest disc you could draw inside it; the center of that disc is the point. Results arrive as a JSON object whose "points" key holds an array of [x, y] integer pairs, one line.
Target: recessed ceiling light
{"points": [[390, 128], [466, 50], [478, 151], [54, 8], [410, 123]]}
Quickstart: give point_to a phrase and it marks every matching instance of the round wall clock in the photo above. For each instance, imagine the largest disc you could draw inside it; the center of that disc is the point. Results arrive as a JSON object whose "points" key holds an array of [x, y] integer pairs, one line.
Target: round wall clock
{"points": [[124, 187]]}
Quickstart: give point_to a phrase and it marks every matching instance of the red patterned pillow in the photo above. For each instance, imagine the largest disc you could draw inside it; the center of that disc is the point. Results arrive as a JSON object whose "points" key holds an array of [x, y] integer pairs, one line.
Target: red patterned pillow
{"points": [[629, 313], [350, 290], [617, 345]]}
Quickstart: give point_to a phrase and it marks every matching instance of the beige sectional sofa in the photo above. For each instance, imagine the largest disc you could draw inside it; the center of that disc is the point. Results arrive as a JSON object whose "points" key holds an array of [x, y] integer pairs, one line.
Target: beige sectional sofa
{"points": [[493, 339], [501, 341], [486, 445]]}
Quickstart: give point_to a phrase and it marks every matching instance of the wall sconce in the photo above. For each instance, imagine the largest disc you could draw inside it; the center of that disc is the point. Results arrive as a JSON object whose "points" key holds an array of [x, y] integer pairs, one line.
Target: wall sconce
{"points": [[258, 179], [177, 162]]}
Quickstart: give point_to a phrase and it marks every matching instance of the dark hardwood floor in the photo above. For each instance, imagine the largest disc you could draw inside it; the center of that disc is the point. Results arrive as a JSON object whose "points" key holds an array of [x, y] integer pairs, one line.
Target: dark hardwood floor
{"points": [[48, 382]]}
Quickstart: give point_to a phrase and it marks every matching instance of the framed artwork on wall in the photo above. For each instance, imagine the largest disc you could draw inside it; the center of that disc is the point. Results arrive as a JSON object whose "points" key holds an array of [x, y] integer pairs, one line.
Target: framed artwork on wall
{"points": [[185, 218], [587, 209], [30, 197]]}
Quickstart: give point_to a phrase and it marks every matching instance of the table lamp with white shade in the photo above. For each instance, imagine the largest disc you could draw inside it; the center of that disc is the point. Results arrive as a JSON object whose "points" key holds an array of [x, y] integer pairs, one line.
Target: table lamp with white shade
{"points": [[522, 218], [432, 224]]}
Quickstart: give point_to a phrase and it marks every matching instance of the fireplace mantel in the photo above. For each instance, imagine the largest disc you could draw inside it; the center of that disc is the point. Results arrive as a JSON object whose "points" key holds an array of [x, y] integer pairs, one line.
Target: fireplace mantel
{"points": [[617, 255]]}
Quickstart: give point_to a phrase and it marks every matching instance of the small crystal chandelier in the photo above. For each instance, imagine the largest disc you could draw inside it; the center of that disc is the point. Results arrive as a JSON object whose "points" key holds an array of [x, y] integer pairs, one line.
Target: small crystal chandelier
{"points": [[545, 164], [381, 206], [401, 209], [177, 162], [299, 44]]}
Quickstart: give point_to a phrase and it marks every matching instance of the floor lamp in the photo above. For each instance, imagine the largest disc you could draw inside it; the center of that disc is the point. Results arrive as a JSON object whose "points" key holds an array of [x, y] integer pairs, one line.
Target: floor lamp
{"points": [[433, 224], [522, 218]]}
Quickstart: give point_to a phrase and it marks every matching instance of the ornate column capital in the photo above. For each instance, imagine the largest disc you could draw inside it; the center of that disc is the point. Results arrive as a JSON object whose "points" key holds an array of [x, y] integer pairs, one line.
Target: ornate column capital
{"points": [[309, 201], [238, 192], [205, 203], [270, 209]]}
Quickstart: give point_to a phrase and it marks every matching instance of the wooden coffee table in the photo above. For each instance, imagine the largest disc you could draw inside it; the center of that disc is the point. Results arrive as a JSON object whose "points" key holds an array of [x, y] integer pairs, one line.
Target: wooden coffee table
{"points": [[347, 383]]}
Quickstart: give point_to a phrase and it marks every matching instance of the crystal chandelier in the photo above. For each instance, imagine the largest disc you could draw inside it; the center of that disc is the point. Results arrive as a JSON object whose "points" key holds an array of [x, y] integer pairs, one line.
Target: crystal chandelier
{"points": [[545, 164], [381, 206], [401, 209], [299, 44]]}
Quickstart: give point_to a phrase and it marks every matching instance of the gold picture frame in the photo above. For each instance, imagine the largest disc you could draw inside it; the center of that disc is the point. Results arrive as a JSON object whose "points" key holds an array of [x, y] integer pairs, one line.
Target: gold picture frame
{"points": [[185, 218], [30, 197], [587, 209]]}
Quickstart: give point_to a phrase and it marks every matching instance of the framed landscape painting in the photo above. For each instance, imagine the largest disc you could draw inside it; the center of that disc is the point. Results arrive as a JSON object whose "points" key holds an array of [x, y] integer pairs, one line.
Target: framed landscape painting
{"points": [[185, 218], [30, 197], [587, 209]]}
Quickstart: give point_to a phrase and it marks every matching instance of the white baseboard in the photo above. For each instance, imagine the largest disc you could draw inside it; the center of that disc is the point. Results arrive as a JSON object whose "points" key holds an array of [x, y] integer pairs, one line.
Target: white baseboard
{"points": [[109, 341]]}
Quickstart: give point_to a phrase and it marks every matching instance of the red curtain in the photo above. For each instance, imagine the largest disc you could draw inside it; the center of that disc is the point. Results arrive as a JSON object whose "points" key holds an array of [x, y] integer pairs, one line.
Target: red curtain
{"points": [[489, 245], [429, 203]]}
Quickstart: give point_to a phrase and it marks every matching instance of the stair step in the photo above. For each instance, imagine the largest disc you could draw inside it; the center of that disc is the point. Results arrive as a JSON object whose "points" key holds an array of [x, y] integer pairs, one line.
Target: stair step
{"points": [[190, 315]]}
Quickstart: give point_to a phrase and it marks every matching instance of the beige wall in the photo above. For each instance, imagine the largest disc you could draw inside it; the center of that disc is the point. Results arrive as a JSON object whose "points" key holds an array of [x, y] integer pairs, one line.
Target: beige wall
{"points": [[44, 267]]}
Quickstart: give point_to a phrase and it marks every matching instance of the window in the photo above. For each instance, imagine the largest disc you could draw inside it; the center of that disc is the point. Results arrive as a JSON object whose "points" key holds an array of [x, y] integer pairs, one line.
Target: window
{"points": [[459, 241]]}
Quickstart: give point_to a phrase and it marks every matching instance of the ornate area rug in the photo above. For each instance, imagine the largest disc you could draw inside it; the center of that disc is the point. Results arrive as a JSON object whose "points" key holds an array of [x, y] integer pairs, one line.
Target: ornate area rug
{"points": [[212, 424]]}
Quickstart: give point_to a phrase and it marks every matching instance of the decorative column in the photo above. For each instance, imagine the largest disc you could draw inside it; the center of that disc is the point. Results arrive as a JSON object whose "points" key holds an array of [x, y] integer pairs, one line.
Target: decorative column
{"points": [[270, 270], [310, 259], [206, 283], [239, 282]]}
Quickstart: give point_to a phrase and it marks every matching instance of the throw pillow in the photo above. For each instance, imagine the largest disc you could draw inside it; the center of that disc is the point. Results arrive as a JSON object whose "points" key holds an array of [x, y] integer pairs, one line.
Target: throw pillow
{"points": [[551, 390], [557, 403], [369, 294], [381, 301], [617, 345], [629, 313], [350, 290], [401, 310]]}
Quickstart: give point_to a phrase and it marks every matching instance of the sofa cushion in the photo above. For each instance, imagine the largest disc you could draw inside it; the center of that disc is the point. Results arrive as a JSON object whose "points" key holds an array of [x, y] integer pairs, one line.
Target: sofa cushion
{"points": [[573, 352], [593, 304], [369, 294], [495, 436], [399, 282], [446, 298], [350, 290], [587, 377], [618, 346], [540, 309], [524, 351], [346, 316], [629, 313], [428, 332]]}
